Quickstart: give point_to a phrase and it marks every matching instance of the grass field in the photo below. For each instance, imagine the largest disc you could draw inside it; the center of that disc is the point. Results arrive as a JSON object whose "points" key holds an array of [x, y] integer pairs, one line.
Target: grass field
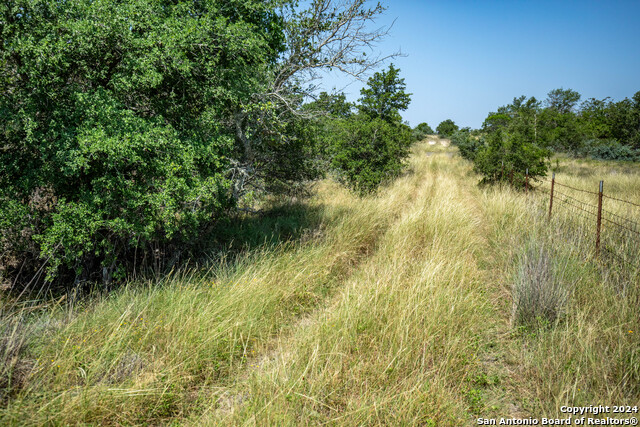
{"points": [[434, 303]]}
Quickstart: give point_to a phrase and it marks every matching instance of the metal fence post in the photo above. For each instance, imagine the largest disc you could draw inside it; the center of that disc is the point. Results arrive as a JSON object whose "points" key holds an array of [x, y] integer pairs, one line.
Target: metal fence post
{"points": [[599, 223], [511, 177], [502, 172], [553, 182], [526, 181]]}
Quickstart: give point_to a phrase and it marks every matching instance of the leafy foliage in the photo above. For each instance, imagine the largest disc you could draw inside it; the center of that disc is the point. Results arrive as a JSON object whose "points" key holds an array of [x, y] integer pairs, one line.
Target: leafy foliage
{"points": [[446, 128], [467, 144], [369, 148], [511, 144], [562, 100], [368, 151], [421, 131], [608, 149], [128, 127], [516, 152], [520, 135], [560, 124], [112, 129], [385, 96]]}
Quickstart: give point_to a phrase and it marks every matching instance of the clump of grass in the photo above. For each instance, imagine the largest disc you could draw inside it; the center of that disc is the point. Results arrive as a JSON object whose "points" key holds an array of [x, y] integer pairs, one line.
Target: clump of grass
{"points": [[14, 364], [539, 295]]}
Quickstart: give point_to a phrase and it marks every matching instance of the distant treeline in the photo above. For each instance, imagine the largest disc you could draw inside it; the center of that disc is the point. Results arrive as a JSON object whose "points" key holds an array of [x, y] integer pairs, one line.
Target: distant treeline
{"points": [[600, 128], [520, 137]]}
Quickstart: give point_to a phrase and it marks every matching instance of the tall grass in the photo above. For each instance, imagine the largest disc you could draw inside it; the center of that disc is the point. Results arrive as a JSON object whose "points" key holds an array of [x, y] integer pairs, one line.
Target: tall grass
{"points": [[152, 351], [401, 308], [539, 294], [400, 342]]}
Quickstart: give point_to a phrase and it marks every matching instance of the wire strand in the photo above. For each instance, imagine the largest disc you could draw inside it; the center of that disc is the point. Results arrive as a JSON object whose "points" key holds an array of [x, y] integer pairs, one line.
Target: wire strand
{"points": [[620, 200], [576, 189], [622, 226], [575, 206]]}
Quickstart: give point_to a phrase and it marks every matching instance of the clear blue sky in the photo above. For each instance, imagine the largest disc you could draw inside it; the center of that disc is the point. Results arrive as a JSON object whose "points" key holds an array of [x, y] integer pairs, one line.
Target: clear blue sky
{"points": [[466, 58]]}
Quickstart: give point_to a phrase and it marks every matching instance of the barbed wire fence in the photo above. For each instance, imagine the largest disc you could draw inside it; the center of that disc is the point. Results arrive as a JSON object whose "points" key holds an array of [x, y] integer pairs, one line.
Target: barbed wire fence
{"points": [[616, 233]]}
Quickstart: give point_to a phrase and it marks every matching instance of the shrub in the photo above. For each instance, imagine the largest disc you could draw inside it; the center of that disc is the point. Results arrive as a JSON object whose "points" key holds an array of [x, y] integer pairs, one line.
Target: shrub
{"points": [[113, 125], [369, 148], [366, 152], [446, 128], [515, 152], [421, 131], [608, 149], [467, 144]]}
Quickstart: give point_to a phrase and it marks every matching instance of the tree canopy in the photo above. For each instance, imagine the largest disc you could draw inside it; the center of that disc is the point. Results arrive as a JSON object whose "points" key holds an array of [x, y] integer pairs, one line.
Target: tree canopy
{"points": [[421, 131], [129, 126], [385, 96], [446, 128], [368, 148]]}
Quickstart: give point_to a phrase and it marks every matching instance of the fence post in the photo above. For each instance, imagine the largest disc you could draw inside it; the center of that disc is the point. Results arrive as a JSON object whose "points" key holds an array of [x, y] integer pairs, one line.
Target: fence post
{"points": [[599, 223], [511, 177], [526, 181], [502, 172], [553, 182]]}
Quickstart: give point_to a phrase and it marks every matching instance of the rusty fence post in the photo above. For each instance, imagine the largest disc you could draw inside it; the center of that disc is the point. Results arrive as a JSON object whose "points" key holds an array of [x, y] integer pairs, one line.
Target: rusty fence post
{"points": [[526, 181], [553, 182], [599, 223]]}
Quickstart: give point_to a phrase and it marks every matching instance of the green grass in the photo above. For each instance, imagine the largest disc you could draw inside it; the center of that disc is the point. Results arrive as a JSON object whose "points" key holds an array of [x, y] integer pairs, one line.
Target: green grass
{"points": [[391, 309]]}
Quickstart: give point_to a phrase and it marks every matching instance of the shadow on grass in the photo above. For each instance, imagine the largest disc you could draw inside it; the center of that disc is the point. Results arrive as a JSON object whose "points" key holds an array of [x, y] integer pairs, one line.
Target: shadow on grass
{"points": [[224, 241], [281, 223]]}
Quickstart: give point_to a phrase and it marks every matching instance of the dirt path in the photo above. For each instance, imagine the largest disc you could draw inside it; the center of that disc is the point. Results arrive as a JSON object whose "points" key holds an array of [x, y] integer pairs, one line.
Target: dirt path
{"points": [[276, 349], [272, 380]]}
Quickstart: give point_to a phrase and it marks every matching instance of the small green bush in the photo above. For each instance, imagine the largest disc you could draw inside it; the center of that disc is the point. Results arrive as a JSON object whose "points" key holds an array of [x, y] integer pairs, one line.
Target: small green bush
{"points": [[507, 157], [467, 144], [366, 152], [421, 131], [370, 147], [608, 149]]}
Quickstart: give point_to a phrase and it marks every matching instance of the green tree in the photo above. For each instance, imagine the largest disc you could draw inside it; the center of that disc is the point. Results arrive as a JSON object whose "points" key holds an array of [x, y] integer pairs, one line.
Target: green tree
{"points": [[467, 144], [446, 128], [513, 143], [112, 129], [321, 35], [370, 148], [624, 119], [594, 118], [385, 96], [333, 105], [132, 124], [559, 120], [367, 152], [421, 131], [562, 100], [522, 114], [516, 152]]}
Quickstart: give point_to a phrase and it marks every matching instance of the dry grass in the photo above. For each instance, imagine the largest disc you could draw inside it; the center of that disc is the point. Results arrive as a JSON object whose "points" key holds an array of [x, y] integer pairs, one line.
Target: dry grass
{"points": [[393, 309]]}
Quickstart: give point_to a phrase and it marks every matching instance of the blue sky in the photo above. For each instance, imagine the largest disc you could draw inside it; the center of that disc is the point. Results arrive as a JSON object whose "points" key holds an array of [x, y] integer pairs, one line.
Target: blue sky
{"points": [[466, 58]]}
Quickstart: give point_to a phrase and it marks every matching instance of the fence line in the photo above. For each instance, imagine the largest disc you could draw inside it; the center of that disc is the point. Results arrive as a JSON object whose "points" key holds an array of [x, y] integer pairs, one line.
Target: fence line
{"points": [[627, 228]]}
